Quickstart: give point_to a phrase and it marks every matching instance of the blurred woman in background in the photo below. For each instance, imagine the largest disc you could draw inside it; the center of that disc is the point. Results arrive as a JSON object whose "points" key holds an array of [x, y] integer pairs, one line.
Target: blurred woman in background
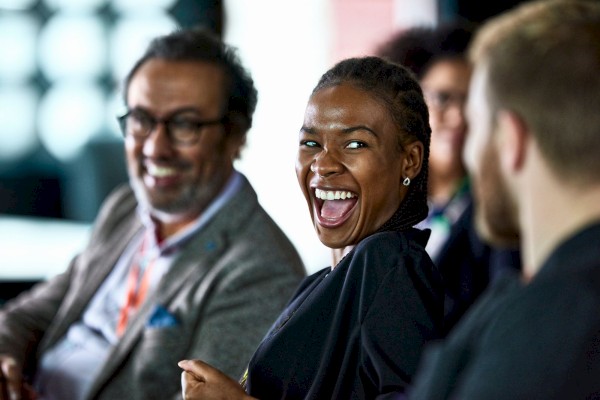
{"points": [[437, 56]]}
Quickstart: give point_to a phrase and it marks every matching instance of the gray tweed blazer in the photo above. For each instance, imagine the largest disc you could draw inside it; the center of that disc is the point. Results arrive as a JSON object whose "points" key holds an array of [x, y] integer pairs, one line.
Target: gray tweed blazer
{"points": [[222, 294]]}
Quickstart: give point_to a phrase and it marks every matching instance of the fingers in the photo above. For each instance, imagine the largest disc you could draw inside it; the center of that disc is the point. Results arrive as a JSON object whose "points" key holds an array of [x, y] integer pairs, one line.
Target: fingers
{"points": [[197, 368], [183, 385], [188, 383], [191, 377], [10, 379], [202, 381]]}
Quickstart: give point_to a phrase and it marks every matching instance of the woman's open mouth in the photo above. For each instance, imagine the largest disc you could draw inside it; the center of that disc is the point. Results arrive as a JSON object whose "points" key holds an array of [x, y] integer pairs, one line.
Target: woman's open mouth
{"points": [[333, 207]]}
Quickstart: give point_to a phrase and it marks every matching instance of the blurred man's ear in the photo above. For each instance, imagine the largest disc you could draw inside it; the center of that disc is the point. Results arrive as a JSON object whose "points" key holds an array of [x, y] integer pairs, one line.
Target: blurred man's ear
{"points": [[236, 126], [513, 137]]}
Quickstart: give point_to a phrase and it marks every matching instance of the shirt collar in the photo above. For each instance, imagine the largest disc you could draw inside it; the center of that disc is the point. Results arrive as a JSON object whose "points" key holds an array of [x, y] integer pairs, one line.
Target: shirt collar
{"points": [[232, 187]]}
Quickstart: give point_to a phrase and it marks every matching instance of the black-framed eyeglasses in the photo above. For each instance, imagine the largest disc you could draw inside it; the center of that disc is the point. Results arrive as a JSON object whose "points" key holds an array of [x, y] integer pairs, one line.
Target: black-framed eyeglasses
{"points": [[182, 130]]}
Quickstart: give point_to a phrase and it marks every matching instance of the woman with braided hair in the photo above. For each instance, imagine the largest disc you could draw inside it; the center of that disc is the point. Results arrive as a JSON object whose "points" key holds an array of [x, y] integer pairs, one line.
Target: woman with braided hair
{"points": [[356, 329]]}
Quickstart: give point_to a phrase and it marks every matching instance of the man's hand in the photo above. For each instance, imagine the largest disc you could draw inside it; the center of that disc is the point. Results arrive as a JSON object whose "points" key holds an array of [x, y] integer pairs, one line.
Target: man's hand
{"points": [[201, 381]]}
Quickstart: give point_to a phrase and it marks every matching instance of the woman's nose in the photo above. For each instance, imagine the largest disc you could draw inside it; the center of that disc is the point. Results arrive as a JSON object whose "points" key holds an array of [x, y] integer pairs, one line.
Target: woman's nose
{"points": [[326, 163], [455, 115]]}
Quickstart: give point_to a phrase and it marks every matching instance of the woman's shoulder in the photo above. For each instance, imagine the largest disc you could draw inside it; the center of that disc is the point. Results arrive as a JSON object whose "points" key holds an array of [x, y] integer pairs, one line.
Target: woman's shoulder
{"points": [[394, 262], [309, 281], [397, 242], [386, 252]]}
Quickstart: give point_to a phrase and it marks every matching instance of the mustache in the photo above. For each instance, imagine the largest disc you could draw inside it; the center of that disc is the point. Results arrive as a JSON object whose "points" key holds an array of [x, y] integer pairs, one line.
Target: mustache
{"points": [[164, 162]]}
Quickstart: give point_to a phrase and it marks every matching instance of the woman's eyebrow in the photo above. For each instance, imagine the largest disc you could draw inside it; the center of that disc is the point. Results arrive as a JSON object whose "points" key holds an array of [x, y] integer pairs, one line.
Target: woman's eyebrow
{"points": [[347, 130], [307, 129], [359, 128]]}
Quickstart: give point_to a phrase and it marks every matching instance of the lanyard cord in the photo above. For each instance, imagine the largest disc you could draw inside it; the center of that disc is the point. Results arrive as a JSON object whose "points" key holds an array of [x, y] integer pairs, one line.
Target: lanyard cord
{"points": [[137, 287]]}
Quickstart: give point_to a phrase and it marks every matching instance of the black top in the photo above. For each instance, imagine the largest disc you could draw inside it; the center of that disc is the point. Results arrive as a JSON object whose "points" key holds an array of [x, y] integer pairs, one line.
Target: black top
{"points": [[539, 341], [356, 331]]}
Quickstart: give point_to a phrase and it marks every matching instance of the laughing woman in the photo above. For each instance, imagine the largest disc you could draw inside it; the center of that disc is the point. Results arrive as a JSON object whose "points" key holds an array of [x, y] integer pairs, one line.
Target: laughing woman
{"points": [[355, 330]]}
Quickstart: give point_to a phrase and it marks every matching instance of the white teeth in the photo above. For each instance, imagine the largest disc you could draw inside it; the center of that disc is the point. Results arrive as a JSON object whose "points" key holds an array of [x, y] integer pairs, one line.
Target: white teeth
{"points": [[160, 172], [333, 195]]}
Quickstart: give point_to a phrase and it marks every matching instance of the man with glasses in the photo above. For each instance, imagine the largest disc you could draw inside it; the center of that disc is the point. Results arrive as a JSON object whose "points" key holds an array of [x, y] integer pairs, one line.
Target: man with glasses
{"points": [[183, 262]]}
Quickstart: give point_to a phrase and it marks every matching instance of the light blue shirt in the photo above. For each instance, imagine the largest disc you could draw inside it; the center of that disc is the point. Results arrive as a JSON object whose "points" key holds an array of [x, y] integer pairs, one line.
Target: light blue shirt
{"points": [[67, 370]]}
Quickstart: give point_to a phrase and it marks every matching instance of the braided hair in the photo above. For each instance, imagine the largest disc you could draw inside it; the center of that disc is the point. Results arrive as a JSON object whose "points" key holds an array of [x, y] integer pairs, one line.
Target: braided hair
{"points": [[398, 89]]}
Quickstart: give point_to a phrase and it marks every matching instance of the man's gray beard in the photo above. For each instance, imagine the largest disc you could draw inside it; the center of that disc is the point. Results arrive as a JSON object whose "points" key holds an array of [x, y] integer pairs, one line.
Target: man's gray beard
{"points": [[191, 198]]}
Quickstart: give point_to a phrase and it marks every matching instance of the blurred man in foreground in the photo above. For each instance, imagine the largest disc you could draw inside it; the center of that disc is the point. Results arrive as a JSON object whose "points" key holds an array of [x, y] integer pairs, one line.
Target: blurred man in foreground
{"points": [[532, 152]]}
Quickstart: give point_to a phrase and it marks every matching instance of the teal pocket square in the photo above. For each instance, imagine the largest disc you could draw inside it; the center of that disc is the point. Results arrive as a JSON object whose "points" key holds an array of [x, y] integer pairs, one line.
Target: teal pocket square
{"points": [[162, 318]]}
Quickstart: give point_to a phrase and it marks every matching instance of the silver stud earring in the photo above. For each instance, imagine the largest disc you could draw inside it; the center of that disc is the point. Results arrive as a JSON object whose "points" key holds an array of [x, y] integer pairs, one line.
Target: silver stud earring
{"points": [[406, 181]]}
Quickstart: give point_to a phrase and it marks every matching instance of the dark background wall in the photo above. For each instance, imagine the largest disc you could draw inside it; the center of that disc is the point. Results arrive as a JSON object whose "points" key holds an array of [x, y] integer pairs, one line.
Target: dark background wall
{"points": [[473, 10]]}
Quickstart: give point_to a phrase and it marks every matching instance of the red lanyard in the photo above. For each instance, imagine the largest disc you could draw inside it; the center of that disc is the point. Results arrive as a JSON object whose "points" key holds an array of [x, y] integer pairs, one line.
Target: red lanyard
{"points": [[136, 288]]}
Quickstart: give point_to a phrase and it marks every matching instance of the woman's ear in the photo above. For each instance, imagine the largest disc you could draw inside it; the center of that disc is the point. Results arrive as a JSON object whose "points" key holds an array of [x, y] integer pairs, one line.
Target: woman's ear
{"points": [[413, 160]]}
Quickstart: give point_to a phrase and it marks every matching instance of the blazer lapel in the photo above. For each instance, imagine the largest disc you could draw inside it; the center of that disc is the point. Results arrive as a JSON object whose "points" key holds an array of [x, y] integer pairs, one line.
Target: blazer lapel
{"points": [[78, 300], [196, 262]]}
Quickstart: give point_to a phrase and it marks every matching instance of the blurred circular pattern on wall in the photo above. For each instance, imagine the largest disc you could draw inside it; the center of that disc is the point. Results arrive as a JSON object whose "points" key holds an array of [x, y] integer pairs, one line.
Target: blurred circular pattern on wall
{"points": [[130, 36], [18, 135], [61, 69], [72, 46], [70, 115], [70, 5]]}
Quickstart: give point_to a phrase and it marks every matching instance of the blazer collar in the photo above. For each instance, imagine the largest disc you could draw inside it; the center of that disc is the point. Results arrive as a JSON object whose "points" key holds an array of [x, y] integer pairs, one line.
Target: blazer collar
{"points": [[199, 261]]}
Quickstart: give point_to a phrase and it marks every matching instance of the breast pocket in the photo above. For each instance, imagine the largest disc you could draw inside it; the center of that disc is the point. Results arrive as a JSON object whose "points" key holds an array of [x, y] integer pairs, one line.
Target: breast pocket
{"points": [[156, 362]]}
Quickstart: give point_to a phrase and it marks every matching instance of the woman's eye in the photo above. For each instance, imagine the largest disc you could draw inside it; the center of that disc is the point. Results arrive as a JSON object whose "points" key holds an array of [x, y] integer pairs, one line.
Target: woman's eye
{"points": [[356, 145], [442, 99], [309, 143]]}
